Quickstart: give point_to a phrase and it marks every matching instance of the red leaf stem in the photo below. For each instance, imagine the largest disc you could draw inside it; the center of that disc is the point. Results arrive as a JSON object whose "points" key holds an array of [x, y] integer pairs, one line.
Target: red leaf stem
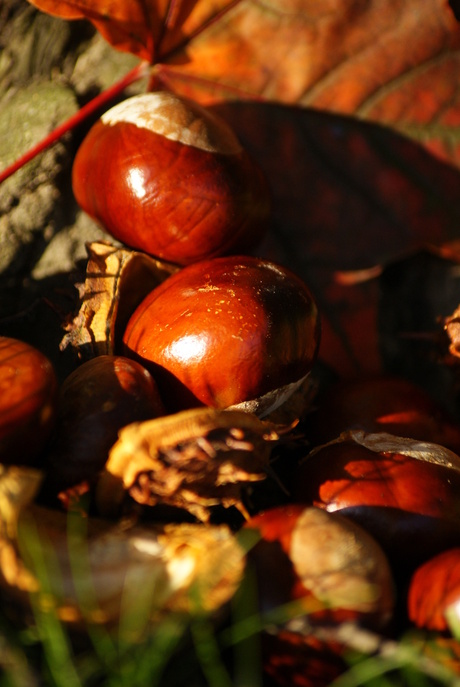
{"points": [[103, 98]]}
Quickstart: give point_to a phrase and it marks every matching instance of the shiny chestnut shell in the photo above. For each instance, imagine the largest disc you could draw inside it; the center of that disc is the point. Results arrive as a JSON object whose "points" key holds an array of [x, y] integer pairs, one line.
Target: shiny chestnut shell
{"points": [[28, 391], [168, 177], [410, 505], [96, 400], [225, 331]]}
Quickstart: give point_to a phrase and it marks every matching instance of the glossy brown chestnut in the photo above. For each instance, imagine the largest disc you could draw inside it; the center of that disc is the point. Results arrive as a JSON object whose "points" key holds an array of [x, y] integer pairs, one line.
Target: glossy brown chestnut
{"points": [[434, 592], [168, 177], [96, 400], [410, 505], [225, 331], [28, 391]]}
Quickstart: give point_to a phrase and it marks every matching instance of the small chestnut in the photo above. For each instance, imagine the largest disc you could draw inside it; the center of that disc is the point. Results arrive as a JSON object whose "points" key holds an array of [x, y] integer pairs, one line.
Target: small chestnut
{"points": [[96, 400], [328, 571], [332, 567], [28, 393], [225, 331], [164, 175]]}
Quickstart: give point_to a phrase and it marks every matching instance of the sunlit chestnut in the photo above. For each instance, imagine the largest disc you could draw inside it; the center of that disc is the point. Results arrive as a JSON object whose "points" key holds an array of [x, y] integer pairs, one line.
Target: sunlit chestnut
{"points": [[406, 494], [313, 569], [331, 566], [166, 176], [434, 593], [382, 403], [28, 391], [96, 400], [226, 331]]}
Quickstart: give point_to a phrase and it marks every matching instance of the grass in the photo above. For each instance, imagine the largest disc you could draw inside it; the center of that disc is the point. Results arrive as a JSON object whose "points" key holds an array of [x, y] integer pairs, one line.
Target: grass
{"points": [[180, 650]]}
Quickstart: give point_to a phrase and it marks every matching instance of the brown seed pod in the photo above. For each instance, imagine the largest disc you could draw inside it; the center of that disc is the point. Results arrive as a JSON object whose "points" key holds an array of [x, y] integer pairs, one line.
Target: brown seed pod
{"points": [[168, 177], [194, 460], [326, 573], [330, 565], [405, 492], [28, 392], [96, 400], [382, 403], [227, 332]]}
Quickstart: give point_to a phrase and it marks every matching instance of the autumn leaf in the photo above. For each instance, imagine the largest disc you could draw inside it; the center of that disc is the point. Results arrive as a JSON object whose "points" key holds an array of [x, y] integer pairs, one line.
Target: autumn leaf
{"points": [[343, 56]]}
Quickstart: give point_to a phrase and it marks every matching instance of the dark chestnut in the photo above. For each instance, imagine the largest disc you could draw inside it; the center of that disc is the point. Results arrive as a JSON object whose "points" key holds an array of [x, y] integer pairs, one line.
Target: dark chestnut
{"points": [[28, 392], [164, 175], [96, 400], [225, 331], [382, 403]]}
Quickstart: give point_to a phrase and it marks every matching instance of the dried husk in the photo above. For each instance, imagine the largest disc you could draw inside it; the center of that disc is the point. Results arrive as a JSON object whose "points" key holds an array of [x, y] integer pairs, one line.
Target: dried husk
{"points": [[452, 328], [18, 487], [194, 460], [94, 571], [117, 280]]}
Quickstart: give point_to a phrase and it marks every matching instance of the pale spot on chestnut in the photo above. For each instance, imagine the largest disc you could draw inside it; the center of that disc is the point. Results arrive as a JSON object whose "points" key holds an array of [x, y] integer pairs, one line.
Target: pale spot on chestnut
{"points": [[188, 348], [137, 183], [165, 114]]}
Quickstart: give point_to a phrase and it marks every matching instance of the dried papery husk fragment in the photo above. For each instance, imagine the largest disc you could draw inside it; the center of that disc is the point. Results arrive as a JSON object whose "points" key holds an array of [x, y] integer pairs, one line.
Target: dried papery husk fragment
{"points": [[101, 569], [116, 281], [192, 460], [382, 442], [18, 487], [91, 570], [452, 329]]}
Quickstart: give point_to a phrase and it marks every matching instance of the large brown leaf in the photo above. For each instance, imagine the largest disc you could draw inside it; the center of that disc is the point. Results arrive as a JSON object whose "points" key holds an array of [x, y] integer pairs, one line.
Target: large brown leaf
{"points": [[341, 55], [349, 198]]}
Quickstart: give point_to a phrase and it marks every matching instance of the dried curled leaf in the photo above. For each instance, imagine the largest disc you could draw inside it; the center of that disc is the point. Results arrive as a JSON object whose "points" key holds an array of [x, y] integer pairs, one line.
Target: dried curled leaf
{"points": [[192, 460], [117, 279]]}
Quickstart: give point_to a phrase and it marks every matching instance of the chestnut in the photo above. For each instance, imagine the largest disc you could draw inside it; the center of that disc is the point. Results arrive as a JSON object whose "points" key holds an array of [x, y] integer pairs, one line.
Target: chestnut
{"points": [[434, 592], [330, 565], [327, 571], [96, 400], [29, 388], [408, 503], [225, 331], [166, 176]]}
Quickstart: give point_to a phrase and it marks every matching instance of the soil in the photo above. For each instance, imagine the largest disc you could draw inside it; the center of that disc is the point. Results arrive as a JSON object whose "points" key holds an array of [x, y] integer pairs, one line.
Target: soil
{"points": [[49, 68]]}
